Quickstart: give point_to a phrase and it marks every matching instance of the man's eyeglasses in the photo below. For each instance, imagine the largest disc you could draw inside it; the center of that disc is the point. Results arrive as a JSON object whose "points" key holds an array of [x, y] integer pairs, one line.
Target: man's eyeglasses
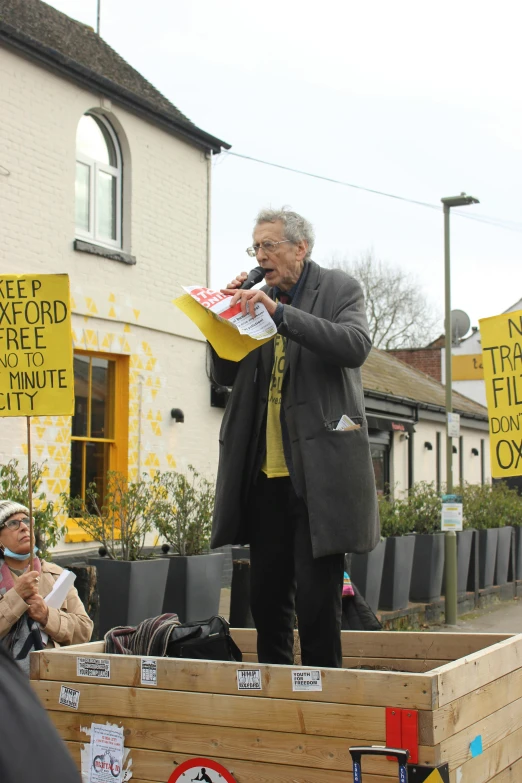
{"points": [[268, 247], [14, 524]]}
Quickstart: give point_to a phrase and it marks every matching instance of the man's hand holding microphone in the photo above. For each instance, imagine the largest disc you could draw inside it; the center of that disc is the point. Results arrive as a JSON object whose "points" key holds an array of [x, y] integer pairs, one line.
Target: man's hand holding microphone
{"points": [[242, 284]]}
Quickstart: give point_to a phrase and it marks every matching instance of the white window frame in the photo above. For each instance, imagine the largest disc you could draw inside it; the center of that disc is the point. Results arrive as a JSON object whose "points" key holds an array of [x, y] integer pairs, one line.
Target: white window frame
{"points": [[94, 168]]}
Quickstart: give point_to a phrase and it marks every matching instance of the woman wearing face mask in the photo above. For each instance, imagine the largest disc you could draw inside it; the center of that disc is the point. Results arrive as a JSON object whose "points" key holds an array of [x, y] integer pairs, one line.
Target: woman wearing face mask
{"points": [[24, 583]]}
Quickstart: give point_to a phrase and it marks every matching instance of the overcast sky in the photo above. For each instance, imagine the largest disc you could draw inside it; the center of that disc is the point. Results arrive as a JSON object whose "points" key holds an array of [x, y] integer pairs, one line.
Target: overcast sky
{"points": [[418, 99]]}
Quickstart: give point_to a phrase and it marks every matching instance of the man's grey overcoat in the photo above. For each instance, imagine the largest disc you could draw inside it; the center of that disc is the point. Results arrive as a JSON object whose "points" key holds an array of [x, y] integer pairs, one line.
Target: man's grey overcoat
{"points": [[327, 342]]}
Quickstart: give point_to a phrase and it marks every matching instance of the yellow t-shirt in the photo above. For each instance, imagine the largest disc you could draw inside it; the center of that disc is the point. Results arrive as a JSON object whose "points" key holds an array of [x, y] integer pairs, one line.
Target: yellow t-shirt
{"points": [[274, 464]]}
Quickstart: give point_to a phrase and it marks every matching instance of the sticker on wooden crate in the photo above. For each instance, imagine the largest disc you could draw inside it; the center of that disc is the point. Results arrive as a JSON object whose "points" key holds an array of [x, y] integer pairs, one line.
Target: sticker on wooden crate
{"points": [[94, 667], [149, 671], [107, 751], [206, 770], [69, 697], [306, 680], [249, 680]]}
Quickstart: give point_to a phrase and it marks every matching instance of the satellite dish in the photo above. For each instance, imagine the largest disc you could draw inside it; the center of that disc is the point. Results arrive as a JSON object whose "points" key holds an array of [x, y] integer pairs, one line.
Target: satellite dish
{"points": [[460, 325]]}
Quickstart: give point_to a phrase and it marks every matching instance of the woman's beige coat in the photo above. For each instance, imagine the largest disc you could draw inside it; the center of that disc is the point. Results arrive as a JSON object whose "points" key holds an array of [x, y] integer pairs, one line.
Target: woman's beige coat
{"points": [[68, 625]]}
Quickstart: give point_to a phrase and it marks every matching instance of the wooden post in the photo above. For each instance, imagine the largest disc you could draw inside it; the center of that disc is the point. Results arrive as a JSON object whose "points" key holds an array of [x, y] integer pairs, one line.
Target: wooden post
{"points": [[30, 493]]}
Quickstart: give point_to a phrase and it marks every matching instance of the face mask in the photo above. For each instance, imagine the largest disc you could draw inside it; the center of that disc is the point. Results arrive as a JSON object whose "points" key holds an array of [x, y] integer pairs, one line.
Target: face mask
{"points": [[16, 556]]}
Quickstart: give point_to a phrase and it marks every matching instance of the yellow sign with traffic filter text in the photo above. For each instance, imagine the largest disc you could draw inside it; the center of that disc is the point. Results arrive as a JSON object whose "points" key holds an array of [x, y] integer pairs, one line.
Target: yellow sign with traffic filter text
{"points": [[467, 367], [36, 361], [501, 338]]}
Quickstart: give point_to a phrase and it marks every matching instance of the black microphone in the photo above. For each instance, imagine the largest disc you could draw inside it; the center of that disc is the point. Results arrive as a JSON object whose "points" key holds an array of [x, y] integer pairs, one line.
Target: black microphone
{"points": [[254, 277]]}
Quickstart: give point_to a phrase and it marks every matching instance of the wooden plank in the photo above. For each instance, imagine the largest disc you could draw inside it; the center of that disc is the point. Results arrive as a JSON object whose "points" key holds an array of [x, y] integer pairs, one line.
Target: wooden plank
{"points": [[472, 672], [512, 774], [395, 644], [412, 665], [494, 760], [372, 644], [272, 747], [88, 647], [34, 666], [383, 689], [493, 729], [299, 717], [157, 766], [474, 706], [391, 664]]}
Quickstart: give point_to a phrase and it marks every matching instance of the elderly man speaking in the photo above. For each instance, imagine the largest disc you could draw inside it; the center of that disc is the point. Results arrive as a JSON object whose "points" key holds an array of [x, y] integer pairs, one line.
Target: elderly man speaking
{"points": [[299, 490]]}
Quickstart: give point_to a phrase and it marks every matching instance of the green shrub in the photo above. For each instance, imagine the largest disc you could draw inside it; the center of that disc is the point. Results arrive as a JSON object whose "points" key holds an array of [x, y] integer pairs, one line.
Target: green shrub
{"points": [[14, 485], [130, 510], [392, 524], [421, 509], [490, 505], [484, 506], [185, 518]]}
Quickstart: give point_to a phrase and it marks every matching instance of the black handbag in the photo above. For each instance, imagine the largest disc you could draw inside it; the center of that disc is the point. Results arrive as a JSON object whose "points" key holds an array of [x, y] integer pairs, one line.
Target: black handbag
{"points": [[207, 639]]}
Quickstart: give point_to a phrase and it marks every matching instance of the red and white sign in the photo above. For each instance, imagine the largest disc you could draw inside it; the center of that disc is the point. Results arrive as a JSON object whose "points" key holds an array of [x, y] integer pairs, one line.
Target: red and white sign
{"points": [[198, 770]]}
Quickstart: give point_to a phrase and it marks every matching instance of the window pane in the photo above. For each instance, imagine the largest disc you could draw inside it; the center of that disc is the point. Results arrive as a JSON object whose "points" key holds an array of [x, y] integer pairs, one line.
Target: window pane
{"points": [[102, 399], [92, 461], [82, 193], [96, 467], [76, 468], [93, 140], [81, 394], [106, 205], [379, 458]]}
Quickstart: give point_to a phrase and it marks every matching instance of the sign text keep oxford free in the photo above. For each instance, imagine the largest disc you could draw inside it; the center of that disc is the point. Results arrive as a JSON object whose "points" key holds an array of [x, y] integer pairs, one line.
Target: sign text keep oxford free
{"points": [[501, 338], [36, 364]]}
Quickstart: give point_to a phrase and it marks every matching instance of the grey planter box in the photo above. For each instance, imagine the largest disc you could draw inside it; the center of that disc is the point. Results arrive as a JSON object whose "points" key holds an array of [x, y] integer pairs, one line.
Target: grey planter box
{"points": [[428, 568], [503, 555], [129, 592], [240, 612], [518, 552], [487, 543], [464, 549], [396, 574], [464, 545], [366, 574], [193, 586]]}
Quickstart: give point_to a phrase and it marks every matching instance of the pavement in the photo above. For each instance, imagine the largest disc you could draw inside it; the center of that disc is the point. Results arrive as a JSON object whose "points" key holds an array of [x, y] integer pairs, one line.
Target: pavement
{"points": [[504, 617]]}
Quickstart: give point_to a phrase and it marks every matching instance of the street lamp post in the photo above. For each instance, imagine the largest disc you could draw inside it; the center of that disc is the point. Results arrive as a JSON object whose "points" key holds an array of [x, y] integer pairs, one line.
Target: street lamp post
{"points": [[451, 536]]}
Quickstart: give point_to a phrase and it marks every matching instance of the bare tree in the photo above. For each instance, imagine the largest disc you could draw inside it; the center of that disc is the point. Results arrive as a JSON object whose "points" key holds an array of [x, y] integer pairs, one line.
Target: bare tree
{"points": [[399, 314]]}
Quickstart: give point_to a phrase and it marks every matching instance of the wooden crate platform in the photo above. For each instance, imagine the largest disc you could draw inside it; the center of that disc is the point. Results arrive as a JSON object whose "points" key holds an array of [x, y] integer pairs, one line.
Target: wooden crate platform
{"points": [[463, 686]]}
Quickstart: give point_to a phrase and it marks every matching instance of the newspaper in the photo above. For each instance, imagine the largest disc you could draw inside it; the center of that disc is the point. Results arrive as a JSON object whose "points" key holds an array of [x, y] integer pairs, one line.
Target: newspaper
{"points": [[261, 327]]}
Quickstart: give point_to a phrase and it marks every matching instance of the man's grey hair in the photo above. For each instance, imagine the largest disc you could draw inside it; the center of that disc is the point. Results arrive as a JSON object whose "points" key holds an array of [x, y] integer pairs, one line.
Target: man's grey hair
{"points": [[296, 227]]}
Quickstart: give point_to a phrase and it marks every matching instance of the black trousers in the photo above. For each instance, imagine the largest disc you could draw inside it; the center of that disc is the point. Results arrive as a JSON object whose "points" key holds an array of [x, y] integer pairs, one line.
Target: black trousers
{"points": [[286, 579]]}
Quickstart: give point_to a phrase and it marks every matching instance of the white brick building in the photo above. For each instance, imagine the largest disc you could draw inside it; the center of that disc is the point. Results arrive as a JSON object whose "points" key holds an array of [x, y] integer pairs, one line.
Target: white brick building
{"points": [[407, 427], [104, 179]]}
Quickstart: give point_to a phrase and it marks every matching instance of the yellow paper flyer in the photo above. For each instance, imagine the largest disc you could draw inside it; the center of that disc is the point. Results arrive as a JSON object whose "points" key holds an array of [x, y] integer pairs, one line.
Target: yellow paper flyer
{"points": [[232, 334]]}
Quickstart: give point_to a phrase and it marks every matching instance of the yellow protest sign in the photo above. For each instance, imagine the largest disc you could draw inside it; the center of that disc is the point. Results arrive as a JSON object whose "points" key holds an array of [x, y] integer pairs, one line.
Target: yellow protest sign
{"points": [[467, 367], [501, 338], [36, 364]]}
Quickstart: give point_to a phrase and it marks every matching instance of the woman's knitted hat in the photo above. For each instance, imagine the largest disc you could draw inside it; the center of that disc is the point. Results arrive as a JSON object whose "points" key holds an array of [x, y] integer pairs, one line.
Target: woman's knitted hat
{"points": [[8, 508]]}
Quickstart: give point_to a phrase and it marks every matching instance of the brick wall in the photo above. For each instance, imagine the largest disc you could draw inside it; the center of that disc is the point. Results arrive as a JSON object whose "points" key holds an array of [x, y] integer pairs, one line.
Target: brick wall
{"points": [[116, 307], [427, 360]]}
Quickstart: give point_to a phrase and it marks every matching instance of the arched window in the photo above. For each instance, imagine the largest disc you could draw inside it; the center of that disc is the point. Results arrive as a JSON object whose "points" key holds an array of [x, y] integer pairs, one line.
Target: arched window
{"points": [[98, 181]]}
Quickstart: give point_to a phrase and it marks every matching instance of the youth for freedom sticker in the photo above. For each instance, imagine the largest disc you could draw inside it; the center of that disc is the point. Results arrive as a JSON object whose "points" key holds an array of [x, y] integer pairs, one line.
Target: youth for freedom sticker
{"points": [[69, 697], [149, 671], [94, 667], [306, 680], [249, 680]]}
